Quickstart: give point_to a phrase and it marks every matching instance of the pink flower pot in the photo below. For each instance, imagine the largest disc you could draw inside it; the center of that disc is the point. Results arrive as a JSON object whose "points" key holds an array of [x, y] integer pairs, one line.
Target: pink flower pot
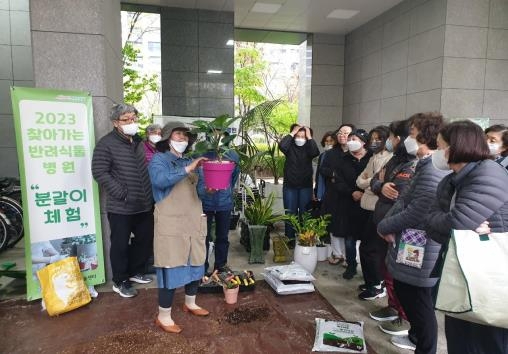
{"points": [[231, 295], [218, 174]]}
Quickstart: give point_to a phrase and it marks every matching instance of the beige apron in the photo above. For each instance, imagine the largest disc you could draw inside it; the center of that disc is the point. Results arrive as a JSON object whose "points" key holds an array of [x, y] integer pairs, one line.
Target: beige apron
{"points": [[180, 227]]}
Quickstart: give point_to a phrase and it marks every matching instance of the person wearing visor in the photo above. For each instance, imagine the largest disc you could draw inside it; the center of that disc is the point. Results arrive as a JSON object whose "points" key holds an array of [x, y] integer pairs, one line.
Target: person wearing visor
{"points": [[180, 225], [119, 167]]}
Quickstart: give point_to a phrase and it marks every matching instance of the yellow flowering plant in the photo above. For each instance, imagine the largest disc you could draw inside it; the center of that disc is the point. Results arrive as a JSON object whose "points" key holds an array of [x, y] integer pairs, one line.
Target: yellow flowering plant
{"points": [[309, 230]]}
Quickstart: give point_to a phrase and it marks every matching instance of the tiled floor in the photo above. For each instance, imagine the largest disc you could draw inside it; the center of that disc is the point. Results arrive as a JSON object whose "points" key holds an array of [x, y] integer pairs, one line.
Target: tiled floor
{"points": [[342, 294]]}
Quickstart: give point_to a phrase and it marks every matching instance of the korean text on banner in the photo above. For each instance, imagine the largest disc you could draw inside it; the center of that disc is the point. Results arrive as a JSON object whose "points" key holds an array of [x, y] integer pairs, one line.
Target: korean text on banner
{"points": [[55, 141]]}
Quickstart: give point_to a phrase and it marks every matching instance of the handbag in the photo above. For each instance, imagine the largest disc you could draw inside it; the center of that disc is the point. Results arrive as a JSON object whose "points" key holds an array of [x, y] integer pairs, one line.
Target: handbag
{"points": [[474, 280]]}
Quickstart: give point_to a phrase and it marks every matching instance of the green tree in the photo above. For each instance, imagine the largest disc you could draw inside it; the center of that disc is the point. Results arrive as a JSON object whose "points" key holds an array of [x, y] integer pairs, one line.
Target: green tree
{"points": [[283, 116], [249, 66], [136, 84]]}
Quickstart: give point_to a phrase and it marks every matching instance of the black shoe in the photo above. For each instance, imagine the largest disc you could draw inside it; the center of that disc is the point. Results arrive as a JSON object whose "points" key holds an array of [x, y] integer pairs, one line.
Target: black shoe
{"points": [[349, 273], [372, 294], [363, 287], [124, 289], [141, 279]]}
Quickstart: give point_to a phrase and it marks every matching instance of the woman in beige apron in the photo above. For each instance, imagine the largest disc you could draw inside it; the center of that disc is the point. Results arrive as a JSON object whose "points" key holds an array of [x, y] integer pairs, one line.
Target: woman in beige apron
{"points": [[180, 226]]}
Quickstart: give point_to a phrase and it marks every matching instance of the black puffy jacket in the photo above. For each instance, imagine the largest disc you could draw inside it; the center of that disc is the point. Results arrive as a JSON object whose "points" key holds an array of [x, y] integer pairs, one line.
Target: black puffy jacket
{"points": [[481, 195], [409, 212], [119, 167]]}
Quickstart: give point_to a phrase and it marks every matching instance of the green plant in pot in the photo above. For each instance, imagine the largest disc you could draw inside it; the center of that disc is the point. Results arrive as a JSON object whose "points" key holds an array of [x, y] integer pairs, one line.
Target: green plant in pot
{"points": [[268, 156], [259, 215], [215, 137], [309, 231]]}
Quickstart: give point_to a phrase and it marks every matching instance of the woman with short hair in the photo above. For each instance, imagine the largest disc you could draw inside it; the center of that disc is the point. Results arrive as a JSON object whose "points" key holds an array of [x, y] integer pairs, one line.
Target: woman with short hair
{"points": [[473, 197], [497, 140], [329, 203], [299, 148], [403, 224], [153, 136]]}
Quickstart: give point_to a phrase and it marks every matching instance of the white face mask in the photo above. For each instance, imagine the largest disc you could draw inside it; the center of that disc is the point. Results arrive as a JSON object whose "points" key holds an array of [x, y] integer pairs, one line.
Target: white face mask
{"points": [[300, 141], [154, 138], [494, 148], [354, 145], [328, 147], [411, 145], [179, 146], [130, 129], [440, 161]]}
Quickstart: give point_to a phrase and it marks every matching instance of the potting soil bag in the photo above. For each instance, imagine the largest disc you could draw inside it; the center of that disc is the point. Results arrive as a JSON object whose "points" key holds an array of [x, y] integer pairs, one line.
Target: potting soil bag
{"points": [[62, 286], [292, 271], [287, 289], [339, 336]]}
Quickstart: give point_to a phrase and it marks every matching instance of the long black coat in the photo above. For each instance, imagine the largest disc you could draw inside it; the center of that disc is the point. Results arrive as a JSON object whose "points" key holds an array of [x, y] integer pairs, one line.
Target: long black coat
{"points": [[341, 170]]}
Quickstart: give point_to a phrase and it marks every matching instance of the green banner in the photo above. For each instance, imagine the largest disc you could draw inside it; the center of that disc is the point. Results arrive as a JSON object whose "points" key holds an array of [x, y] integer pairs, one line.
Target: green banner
{"points": [[61, 215]]}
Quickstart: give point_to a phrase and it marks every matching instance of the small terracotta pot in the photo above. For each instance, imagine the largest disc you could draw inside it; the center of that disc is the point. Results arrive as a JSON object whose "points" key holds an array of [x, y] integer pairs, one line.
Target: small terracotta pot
{"points": [[231, 295]]}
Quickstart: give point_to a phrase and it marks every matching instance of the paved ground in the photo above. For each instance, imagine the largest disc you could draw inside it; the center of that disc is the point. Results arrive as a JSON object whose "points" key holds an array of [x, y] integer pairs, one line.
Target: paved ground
{"points": [[340, 293]]}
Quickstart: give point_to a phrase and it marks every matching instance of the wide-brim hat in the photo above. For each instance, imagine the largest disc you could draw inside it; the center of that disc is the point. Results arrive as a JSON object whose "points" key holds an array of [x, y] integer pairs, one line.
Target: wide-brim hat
{"points": [[171, 126]]}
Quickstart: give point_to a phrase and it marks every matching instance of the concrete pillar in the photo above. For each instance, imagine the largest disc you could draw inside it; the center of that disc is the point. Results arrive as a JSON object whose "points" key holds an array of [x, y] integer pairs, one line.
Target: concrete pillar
{"points": [[77, 46], [327, 83], [193, 42], [15, 69]]}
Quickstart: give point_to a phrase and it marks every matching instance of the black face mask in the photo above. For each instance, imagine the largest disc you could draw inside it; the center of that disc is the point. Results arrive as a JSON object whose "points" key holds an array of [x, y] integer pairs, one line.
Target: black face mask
{"points": [[375, 146]]}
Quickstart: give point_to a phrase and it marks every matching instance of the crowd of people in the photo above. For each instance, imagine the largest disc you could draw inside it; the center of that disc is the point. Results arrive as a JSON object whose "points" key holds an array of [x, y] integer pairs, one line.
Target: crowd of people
{"points": [[416, 179]]}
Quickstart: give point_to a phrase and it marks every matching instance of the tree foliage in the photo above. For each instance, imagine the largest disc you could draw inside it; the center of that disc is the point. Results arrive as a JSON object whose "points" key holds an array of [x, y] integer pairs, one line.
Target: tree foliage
{"points": [[135, 84], [283, 116], [249, 66]]}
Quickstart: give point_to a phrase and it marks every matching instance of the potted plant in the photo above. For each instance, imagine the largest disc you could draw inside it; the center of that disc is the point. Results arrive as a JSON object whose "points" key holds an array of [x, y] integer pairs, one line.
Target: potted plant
{"points": [[267, 155], [215, 137], [230, 285], [259, 215], [309, 231]]}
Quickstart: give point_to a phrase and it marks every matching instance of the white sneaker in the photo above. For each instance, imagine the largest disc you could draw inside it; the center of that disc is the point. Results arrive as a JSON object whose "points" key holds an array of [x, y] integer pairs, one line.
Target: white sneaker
{"points": [[403, 342]]}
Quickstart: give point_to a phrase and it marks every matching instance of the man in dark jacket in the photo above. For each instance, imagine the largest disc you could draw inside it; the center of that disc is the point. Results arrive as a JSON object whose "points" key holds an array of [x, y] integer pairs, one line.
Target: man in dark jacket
{"points": [[119, 167], [299, 149]]}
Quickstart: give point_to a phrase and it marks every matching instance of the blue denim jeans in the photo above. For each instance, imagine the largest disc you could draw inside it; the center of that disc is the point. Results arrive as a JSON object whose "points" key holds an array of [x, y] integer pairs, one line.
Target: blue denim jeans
{"points": [[350, 243], [221, 237], [295, 201]]}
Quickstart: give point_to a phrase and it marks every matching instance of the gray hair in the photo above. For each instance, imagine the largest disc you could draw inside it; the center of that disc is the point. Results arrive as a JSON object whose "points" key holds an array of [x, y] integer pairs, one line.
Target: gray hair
{"points": [[120, 109], [152, 127]]}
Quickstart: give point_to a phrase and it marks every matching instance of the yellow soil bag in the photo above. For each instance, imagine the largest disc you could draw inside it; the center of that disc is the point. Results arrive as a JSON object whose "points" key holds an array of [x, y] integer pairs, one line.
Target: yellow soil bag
{"points": [[62, 286]]}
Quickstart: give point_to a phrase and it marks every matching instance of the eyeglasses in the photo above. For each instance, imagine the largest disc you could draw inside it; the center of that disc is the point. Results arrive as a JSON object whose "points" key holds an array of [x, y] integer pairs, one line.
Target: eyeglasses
{"points": [[343, 133], [128, 119]]}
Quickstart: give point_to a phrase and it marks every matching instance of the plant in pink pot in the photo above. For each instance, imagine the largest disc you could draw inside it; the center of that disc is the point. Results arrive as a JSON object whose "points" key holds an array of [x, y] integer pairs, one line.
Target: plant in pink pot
{"points": [[214, 139]]}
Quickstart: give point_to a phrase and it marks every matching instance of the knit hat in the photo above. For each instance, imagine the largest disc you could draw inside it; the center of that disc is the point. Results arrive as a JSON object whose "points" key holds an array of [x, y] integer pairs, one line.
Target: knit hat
{"points": [[362, 134]]}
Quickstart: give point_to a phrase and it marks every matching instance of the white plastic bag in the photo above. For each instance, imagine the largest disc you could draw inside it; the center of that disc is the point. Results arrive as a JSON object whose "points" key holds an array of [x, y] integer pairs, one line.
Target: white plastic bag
{"points": [[292, 271], [339, 336], [474, 284], [287, 289]]}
